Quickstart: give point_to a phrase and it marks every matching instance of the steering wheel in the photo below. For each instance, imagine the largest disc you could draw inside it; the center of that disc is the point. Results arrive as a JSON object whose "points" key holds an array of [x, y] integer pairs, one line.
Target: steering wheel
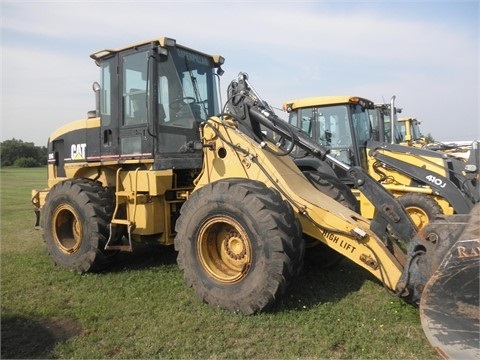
{"points": [[177, 104]]}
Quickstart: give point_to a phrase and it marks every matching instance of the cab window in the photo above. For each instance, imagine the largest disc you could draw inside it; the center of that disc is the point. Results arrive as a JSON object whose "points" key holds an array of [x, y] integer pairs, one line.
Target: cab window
{"points": [[135, 93]]}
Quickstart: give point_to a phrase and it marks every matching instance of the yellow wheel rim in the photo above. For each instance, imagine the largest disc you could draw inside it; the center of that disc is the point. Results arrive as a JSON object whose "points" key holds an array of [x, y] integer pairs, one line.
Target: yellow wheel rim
{"points": [[67, 229], [418, 215], [224, 249]]}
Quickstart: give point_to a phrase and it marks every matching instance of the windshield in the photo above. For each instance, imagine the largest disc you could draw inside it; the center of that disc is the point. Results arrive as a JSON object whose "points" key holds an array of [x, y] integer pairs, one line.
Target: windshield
{"points": [[380, 122], [187, 88], [333, 130], [328, 126], [374, 115], [361, 124], [408, 127], [415, 130], [331, 127], [400, 130]]}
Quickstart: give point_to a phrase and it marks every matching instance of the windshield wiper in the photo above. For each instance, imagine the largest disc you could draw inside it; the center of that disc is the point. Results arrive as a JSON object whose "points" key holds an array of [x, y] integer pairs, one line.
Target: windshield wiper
{"points": [[195, 89]]}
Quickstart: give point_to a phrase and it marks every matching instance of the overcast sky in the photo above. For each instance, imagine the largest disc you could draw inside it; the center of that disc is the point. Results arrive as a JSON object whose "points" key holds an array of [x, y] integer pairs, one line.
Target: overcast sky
{"points": [[424, 52]]}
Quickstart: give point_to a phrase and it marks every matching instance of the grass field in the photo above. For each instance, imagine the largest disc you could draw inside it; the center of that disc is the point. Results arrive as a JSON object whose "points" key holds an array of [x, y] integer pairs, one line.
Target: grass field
{"points": [[140, 307]]}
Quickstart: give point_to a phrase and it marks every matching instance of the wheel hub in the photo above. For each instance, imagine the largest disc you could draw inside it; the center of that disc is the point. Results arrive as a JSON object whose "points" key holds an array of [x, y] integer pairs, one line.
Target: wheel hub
{"points": [[234, 246], [67, 229], [224, 249], [419, 217]]}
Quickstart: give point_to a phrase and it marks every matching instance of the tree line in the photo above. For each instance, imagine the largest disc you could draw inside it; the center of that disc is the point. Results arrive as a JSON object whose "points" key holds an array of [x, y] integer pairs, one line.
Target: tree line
{"points": [[22, 154]]}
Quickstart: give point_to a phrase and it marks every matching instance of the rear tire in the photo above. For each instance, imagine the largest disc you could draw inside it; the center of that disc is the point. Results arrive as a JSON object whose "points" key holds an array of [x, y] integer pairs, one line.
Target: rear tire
{"points": [[421, 208], [75, 221], [239, 245], [316, 252]]}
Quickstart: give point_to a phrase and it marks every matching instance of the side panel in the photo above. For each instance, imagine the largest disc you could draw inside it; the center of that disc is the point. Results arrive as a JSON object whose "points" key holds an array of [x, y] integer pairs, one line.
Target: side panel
{"points": [[77, 142]]}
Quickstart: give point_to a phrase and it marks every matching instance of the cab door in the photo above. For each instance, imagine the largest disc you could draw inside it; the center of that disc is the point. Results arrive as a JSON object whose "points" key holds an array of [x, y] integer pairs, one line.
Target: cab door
{"points": [[136, 138], [108, 110]]}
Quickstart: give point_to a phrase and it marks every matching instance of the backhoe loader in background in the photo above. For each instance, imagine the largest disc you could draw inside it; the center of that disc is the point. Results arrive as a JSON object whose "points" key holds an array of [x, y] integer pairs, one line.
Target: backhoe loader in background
{"points": [[410, 133], [428, 183], [177, 170], [407, 132]]}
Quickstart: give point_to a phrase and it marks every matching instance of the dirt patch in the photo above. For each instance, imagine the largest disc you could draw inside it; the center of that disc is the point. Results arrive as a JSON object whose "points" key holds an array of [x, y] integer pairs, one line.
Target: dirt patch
{"points": [[25, 338]]}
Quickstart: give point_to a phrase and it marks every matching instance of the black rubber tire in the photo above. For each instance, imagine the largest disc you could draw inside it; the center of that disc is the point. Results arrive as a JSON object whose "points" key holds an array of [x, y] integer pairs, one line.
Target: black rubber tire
{"points": [[239, 245], [317, 253], [75, 221], [421, 208]]}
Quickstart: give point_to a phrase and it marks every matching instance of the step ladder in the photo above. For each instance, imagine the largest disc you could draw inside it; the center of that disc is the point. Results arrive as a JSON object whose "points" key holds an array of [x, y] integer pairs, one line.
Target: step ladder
{"points": [[122, 194]]}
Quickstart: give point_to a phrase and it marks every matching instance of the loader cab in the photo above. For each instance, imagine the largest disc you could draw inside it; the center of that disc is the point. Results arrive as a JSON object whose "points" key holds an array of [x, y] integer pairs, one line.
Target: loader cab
{"points": [[339, 123], [409, 132], [153, 96], [380, 118]]}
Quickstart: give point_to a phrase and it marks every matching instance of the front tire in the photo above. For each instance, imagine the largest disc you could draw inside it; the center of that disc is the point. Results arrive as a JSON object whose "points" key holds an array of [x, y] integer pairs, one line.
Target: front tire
{"points": [[75, 221], [239, 245], [421, 208]]}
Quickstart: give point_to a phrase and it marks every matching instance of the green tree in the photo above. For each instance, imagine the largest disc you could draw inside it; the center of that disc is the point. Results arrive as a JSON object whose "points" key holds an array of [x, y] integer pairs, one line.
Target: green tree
{"points": [[25, 162], [12, 150], [429, 139]]}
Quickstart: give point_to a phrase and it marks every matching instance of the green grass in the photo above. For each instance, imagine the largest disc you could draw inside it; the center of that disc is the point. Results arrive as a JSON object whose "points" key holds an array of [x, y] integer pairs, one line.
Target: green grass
{"points": [[140, 307]]}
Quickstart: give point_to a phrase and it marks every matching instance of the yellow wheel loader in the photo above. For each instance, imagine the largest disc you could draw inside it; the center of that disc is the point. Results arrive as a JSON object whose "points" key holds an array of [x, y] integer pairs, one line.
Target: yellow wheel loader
{"points": [[428, 183], [177, 169]]}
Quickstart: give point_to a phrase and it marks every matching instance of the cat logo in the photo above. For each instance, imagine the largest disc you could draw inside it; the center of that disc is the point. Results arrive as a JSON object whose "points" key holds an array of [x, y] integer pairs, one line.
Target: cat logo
{"points": [[78, 151]]}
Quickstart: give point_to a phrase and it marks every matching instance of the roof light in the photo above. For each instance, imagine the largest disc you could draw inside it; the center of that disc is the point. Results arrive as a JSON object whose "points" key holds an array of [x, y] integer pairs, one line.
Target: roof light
{"points": [[219, 60], [165, 41], [362, 102]]}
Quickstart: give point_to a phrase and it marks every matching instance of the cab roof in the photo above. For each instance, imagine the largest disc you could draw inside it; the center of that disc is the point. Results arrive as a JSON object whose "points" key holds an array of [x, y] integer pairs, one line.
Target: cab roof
{"points": [[162, 41], [325, 101]]}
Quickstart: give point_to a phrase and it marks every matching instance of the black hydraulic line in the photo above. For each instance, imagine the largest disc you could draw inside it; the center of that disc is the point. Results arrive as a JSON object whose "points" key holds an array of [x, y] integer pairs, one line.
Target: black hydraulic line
{"points": [[274, 123]]}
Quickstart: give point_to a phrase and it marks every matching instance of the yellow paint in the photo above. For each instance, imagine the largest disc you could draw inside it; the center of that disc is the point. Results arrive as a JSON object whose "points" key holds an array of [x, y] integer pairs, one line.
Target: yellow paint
{"points": [[248, 160]]}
